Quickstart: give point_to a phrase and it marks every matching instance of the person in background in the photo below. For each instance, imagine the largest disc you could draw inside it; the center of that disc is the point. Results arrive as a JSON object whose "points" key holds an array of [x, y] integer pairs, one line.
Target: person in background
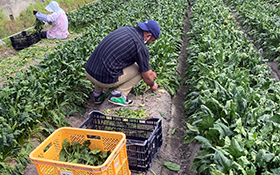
{"points": [[58, 19], [121, 60]]}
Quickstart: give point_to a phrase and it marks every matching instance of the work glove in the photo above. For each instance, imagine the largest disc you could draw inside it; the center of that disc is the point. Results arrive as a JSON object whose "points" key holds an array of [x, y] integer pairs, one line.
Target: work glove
{"points": [[34, 12]]}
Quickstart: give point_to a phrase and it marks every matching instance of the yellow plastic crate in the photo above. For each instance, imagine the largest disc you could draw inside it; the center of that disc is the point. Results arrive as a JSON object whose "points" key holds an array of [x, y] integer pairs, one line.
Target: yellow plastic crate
{"points": [[46, 155]]}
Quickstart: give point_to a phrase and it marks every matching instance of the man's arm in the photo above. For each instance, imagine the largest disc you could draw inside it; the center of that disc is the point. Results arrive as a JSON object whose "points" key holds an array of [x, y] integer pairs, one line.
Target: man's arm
{"points": [[149, 78]]}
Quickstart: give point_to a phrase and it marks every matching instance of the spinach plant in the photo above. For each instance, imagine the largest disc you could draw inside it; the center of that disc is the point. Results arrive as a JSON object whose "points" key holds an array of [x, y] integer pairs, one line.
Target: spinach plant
{"points": [[81, 153]]}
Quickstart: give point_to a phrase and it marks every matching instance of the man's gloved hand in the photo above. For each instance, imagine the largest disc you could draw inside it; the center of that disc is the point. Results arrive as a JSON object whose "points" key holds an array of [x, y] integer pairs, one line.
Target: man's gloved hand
{"points": [[34, 12]]}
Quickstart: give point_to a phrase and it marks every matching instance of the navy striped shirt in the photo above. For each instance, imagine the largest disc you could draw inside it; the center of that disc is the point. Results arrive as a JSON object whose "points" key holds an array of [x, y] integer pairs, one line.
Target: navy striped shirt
{"points": [[118, 50]]}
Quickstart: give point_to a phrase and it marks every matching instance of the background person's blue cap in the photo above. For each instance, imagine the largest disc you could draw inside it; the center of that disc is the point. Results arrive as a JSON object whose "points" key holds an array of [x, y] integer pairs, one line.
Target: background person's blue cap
{"points": [[150, 26]]}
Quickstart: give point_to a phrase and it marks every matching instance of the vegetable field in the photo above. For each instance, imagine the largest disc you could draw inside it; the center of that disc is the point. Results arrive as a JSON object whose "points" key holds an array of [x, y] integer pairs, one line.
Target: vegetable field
{"points": [[232, 105]]}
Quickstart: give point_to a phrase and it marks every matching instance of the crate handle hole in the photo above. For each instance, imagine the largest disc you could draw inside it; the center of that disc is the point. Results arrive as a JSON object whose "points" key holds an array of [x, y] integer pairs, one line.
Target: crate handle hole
{"points": [[47, 148], [93, 137]]}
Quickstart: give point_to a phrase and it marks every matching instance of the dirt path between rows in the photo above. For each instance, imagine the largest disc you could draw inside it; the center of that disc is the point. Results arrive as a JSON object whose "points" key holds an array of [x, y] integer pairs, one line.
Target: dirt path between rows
{"points": [[174, 149]]}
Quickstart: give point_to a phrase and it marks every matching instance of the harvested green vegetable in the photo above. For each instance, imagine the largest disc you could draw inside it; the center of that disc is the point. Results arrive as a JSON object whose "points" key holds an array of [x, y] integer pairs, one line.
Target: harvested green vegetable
{"points": [[80, 153], [172, 166], [128, 112], [163, 116], [38, 25]]}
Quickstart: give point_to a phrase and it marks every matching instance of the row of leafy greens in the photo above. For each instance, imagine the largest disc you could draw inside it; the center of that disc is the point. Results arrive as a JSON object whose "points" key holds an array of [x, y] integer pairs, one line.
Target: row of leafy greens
{"points": [[232, 103], [262, 21]]}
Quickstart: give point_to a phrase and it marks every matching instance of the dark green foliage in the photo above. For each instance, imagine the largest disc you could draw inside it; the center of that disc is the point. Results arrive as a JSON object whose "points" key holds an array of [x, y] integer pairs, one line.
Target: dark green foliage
{"points": [[232, 103], [81, 154], [38, 25]]}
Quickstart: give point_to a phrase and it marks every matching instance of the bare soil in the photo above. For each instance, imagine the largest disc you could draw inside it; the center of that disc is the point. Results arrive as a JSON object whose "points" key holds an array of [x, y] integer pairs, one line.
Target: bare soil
{"points": [[6, 52]]}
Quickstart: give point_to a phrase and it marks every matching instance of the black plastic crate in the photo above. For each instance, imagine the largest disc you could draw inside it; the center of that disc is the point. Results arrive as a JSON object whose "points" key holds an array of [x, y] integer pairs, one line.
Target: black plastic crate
{"points": [[144, 136], [24, 39]]}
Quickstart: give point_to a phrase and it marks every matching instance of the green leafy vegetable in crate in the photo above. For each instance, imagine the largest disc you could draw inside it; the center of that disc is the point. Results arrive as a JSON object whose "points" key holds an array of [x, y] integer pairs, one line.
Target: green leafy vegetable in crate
{"points": [[80, 153]]}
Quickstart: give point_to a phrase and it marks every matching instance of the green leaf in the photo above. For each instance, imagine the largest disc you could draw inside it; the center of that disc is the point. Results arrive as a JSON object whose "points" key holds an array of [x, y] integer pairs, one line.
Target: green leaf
{"points": [[239, 127], [223, 129], [104, 155], [163, 116], [205, 142], [223, 163], [62, 155], [76, 146], [192, 128], [276, 171], [263, 157], [243, 161], [96, 151], [239, 167], [235, 149], [207, 121], [86, 143], [206, 110], [65, 144], [172, 166]]}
